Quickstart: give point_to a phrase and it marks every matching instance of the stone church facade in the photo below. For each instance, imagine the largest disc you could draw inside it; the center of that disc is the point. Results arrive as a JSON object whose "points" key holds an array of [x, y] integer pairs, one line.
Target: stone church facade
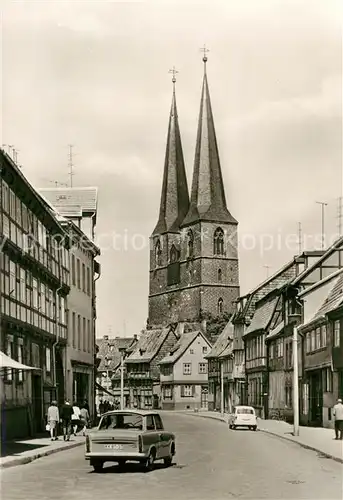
{"points": [[193, 248]]}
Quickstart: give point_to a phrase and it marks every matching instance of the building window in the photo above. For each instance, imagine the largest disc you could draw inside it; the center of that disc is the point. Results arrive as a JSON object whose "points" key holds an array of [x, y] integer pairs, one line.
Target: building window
{"points": [[74, 330], [313, 340], [318, 338], [289, 396], [218, 242], [336, 334], [88, 281], [9, 352], [191, 351], [79, 332], [73, 273], [167, 392], [187, 368], [202, 368], [308, 342], [204, 349], [48, 359], [158, 254], [174, 255], [187, 391], [20, 360], [220, 306], [78, 274], [327, 380], [83, 278], [324, 335], [190, 244], [85, 339]]}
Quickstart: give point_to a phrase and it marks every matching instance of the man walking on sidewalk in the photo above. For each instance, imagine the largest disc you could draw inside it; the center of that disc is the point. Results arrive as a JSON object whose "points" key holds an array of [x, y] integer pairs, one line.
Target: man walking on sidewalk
{"points": [[338, 415], [66, 413]]}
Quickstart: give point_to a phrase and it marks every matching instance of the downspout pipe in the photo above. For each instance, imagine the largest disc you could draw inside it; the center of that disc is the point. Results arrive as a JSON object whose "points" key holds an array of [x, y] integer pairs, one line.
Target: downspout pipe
{"points": [[94, 353]]}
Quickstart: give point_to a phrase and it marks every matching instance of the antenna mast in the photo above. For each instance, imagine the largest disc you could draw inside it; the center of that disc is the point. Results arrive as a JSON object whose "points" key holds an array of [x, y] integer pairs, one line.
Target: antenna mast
{"points": [[300, 237], [70, 164], [323, 205]]}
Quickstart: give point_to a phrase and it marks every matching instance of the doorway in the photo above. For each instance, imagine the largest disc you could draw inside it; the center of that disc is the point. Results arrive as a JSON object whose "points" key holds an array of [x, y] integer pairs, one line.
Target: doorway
{"points": [[37, 403], [204, 397], [316, 399]]}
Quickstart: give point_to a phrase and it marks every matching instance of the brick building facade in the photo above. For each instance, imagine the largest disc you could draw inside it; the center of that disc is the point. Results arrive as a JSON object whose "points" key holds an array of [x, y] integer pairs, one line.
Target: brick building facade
{"points": [[193, 251]]}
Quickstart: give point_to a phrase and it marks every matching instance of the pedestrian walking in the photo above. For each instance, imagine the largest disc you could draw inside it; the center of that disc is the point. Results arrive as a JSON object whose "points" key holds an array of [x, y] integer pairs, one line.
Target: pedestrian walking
{"points": [[53, 419], [66, 413], [84, 418], [76, 417], [338, 415]]}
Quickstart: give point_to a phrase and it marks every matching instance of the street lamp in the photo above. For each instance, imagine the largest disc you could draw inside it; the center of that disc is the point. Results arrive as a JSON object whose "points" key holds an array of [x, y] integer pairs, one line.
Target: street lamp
{"points": [[122, 351]]}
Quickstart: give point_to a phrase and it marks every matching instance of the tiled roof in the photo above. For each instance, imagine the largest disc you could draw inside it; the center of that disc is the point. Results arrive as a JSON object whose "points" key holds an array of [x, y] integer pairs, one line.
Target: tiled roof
{"points": [[336, 245], [222, 341], [227, 351], [182, 345], [84, 197], [262, 317], [275, 332], [148, 345], [332, 301], [281, 278], [110, 348]]}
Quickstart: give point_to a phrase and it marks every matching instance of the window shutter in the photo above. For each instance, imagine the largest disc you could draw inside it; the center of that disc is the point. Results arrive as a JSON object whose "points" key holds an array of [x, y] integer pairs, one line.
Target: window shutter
{"points": [[182, 391], [193, 391]]}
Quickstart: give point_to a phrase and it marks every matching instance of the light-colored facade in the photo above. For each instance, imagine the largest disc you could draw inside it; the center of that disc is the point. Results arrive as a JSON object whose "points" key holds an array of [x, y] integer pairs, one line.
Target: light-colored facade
{"points": [[80, 354], [183, 373]]}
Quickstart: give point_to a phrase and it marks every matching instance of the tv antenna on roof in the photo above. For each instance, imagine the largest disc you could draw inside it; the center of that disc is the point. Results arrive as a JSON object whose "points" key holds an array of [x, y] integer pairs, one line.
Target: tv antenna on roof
{"points": [[71, 164]]}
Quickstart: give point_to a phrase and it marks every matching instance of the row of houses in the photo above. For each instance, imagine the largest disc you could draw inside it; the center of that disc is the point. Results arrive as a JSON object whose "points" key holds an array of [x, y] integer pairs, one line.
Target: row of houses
{"points": [[252, 360], [164, 368], [48, 270]]}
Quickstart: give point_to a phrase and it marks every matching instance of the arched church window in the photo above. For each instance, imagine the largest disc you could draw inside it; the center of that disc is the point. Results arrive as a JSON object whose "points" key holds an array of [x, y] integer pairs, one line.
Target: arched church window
{"points": [[219, 275], [220, 306], [218, 242], [190, 244], [174, 255], [158, 254]]}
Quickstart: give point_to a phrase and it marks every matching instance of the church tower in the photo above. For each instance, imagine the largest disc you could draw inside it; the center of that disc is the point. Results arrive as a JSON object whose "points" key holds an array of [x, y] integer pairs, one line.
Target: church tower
{"points": [[209, 252], [165, 244]]}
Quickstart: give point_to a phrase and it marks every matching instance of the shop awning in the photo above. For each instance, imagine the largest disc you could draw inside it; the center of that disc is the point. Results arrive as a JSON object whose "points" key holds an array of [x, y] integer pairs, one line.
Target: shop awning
{"points": [[7, 362], [100, 388]]}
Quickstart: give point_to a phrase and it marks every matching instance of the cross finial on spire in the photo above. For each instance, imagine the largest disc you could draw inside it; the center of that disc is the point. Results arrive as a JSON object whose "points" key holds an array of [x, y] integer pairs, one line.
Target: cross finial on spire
{"points": [[173, 72], [204, 50]]}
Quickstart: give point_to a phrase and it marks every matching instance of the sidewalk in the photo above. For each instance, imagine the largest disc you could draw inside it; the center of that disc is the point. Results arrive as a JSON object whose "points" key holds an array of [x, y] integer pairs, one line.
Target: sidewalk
{"points": [[25, 451], [313, 438]]}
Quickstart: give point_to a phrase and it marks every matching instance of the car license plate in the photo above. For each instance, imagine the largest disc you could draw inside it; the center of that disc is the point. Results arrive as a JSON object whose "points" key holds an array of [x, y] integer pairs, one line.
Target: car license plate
{"points": [[114, 446]]}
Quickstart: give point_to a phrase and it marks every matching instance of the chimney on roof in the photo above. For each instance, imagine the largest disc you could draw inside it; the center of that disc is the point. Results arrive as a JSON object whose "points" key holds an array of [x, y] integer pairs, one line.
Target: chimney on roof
{"points": [[105, 337], [135, 336]]}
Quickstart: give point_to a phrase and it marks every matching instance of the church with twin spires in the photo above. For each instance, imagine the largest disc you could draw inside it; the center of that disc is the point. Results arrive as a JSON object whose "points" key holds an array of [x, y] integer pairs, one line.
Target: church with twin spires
{"points": [[193, 248]]}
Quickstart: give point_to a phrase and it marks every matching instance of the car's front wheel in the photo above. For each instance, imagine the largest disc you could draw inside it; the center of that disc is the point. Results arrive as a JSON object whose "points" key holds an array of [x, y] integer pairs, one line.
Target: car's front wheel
{"points": [[254, 428]]}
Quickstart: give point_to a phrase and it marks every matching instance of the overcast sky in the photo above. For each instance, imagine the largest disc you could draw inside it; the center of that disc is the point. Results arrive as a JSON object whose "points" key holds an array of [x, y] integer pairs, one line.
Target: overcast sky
{"points": [[95, 74]]}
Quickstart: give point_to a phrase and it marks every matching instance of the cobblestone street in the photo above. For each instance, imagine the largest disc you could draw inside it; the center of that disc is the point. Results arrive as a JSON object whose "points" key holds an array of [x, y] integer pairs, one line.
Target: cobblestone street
{"points": [[211, 462]]}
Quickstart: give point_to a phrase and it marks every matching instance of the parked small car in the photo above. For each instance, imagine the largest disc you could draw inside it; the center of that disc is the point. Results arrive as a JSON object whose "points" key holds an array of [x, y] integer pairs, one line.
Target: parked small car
{"points": [[243, 416], [130, 435]]}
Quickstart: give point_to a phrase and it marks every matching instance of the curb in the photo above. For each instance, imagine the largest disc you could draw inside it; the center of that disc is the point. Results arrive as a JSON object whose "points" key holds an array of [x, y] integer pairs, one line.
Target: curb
{"points": [[27, 460], [306, 446]]}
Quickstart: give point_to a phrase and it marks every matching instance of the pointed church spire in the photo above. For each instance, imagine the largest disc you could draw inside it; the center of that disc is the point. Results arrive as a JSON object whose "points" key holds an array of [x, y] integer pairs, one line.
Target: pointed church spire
{"points": [[175, 198], [208, 196]]}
